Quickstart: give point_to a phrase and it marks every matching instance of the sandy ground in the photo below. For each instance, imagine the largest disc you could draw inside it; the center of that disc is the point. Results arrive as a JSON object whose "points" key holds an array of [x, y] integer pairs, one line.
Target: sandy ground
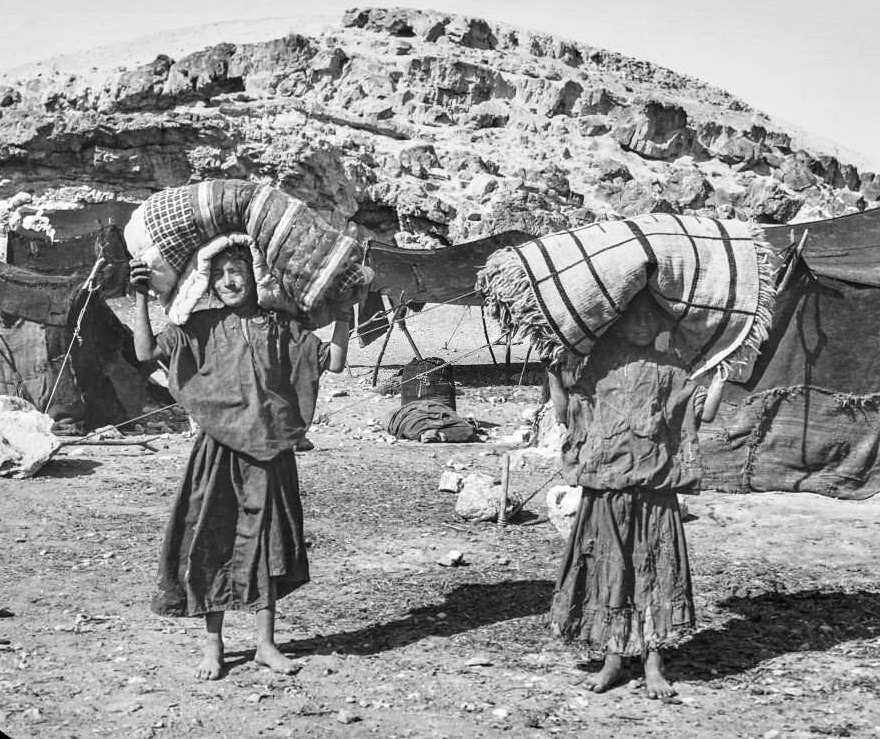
{"points": [[392, 644]]}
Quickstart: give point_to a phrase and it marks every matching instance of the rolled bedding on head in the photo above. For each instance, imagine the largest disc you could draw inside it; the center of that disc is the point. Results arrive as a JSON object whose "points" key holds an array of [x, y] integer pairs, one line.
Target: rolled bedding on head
{"points": [[714, 278], [303, 255]]}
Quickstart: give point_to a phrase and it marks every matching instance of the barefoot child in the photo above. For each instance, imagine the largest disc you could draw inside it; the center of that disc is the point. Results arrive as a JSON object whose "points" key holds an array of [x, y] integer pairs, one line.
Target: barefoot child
{"points": [[235, 539], [624, 587]]}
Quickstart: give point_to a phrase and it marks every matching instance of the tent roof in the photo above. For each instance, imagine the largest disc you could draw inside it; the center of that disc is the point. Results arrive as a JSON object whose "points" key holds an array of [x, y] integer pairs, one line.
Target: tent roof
{"points": [[845, 248]]}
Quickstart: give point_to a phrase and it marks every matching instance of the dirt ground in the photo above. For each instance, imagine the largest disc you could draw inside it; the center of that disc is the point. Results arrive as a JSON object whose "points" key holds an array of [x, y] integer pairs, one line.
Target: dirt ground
{"points": [[391, 643]]}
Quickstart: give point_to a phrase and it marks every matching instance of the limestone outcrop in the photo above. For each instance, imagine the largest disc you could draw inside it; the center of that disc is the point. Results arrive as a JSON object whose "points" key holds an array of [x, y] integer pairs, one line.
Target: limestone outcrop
{"points": [[423, 128]]}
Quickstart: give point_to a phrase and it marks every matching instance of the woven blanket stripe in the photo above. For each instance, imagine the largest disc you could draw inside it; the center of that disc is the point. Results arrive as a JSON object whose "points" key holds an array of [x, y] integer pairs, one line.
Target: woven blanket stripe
{"points": [[726, 317], [300, 247], [206, 214], [695, 251], [283, 230], [334, 261], [704, 273], [299, 244], [546, 310]]}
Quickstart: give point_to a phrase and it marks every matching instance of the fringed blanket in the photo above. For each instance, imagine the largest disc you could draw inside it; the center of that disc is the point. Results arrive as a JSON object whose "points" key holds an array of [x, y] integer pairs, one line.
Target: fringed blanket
{"points": [[303, 253], [714, 278]]}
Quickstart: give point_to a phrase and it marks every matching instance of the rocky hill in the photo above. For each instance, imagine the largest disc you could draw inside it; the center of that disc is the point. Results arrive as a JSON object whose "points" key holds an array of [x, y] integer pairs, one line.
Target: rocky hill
{"points": [[424, 129]]}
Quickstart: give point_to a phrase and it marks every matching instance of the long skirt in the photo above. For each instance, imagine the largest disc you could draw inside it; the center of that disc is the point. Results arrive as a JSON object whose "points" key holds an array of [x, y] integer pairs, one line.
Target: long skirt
{"points": [[624, 585], [235, 539]]}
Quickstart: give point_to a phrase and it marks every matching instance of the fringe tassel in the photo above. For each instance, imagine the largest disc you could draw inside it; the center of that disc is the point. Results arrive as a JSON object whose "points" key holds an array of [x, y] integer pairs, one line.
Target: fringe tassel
{"points": [[768, 266], [507, 292]]}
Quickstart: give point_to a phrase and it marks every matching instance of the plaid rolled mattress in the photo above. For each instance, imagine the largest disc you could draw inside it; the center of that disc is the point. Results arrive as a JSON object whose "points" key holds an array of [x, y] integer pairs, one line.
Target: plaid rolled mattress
{"points": [[714, 278], [304, 254]]}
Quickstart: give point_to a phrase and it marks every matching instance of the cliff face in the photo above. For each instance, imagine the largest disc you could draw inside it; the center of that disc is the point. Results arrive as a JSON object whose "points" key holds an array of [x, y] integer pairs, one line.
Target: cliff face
{"points": [[424, 129]]}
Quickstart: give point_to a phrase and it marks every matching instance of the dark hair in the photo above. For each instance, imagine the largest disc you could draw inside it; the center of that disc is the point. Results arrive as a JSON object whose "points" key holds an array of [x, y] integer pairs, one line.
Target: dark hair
{"points": [[235, 252]]}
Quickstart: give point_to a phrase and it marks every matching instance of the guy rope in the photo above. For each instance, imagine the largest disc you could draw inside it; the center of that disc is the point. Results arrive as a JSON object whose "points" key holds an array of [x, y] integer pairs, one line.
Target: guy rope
{"points": [[92, 284]]}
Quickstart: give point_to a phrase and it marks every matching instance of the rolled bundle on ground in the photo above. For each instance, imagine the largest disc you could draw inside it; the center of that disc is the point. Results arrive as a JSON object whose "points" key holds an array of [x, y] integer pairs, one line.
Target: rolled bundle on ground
{"points": [[303, 253], [715, 279]]}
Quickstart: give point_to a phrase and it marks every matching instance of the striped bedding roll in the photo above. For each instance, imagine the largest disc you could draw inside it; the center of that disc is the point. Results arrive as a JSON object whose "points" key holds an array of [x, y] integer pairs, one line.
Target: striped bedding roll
{"points": [[304, 254], [715, 279]]}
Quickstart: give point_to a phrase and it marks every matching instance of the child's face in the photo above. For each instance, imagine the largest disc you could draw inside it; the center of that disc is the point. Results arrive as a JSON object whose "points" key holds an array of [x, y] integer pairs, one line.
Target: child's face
{"points": [[232, 280], [641, 322]]}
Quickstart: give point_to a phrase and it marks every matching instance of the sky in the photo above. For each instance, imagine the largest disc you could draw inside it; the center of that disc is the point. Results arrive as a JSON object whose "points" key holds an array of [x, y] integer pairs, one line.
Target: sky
{"points": [[808, 64]]}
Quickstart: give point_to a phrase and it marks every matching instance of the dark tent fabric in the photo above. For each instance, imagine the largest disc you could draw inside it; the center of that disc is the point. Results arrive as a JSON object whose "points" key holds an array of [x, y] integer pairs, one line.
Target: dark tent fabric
{"points": [[101, 383], [808, 419], [845, 248]]}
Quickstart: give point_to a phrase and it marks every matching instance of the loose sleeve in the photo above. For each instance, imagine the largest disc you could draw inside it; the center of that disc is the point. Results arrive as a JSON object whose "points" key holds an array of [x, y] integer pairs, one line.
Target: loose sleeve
{"points": [[309, 357], [169, 340]]}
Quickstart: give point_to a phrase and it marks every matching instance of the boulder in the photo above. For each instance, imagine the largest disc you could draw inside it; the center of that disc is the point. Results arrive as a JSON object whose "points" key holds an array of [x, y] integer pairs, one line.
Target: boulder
{"points": [[26, 438], [418, 159], [771, 202], [480, 498], [687, 188], [563, 502]]}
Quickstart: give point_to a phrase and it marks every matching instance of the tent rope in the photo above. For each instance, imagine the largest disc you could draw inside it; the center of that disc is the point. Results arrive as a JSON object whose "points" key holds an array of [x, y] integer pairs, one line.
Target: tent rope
{"points": [[119, 425], [457, 326], [92, 284], [419, 314]]}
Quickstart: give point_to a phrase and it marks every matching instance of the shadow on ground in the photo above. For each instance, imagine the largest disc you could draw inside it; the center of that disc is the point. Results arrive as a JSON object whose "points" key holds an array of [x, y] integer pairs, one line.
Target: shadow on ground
{"points": [[464, 608], [772, 624], [65, 467]]}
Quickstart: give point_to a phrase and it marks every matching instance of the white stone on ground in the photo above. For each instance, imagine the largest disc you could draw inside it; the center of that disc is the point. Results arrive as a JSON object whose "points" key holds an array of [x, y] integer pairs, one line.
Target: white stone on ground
{"points": [[562, 506], [480, 498], [26, 438]]}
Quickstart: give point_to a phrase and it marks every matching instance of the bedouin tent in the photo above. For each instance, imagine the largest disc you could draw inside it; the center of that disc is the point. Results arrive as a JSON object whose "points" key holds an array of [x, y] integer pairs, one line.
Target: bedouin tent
{"points": [[808, 418], [99, 383]]}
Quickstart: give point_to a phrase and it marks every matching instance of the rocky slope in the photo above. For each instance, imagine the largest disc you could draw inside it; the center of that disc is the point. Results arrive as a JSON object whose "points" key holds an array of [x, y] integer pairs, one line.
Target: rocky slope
{"points": [[425, 129]]}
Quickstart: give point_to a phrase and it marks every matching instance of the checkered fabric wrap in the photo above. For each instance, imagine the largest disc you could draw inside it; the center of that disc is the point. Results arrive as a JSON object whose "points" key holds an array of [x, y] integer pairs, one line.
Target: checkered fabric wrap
{"points": [[714, 278], [304, 254], [351, 279], [171, 225]]}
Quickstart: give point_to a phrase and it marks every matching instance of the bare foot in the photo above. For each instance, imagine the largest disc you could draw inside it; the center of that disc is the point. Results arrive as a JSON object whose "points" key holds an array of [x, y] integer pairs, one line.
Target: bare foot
{"points": [[608, 676], [655, 681], [269, 656], [211, 666]]}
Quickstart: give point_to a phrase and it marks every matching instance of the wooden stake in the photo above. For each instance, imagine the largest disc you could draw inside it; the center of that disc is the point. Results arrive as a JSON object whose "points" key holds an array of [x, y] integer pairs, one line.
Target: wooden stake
{"points": [[486, 334], [505, 488]]}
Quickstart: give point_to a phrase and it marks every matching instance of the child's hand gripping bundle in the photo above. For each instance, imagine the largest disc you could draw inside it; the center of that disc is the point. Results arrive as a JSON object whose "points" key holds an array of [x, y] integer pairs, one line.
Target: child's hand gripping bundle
{"points": [[301, 264]]}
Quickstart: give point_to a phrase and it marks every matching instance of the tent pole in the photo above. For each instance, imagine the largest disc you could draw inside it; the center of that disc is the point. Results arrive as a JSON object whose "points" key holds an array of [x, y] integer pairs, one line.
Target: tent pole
{"points": [[486, 334], [397, 309], [408, 336], [795, 258]]}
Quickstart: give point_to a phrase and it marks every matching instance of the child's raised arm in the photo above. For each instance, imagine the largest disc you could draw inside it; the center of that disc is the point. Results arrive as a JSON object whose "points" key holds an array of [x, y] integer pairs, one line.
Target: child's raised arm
{"points": [[339, 342], [713, 395], [144, 342], [558, 395]]}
